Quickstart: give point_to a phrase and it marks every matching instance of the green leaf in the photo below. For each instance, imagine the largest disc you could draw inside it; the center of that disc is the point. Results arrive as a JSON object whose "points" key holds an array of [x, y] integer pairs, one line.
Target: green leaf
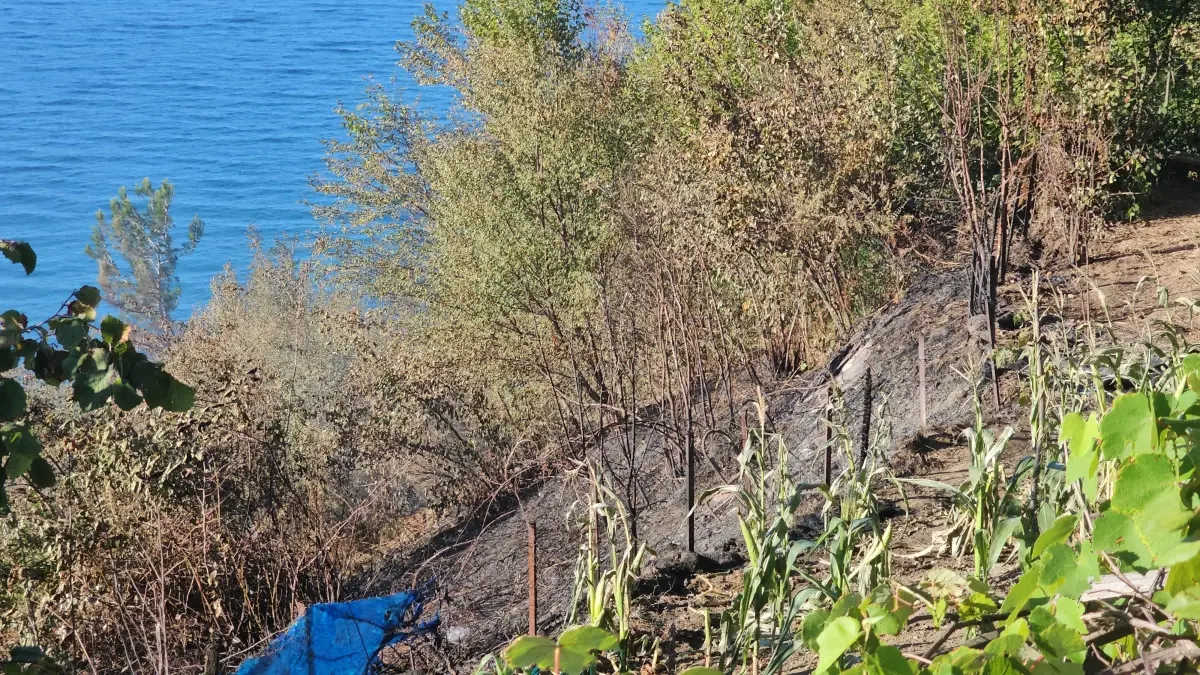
{"points": [[1060, 642], [1183, 575], [1083, 461], [888, 660], [89, 296], [1185, 605], [113, 330], [701, 670], [588, 639], [1129, 428], [1023, 591], [1144, 524], [8, 358], [810, 630], [12, 400], [531, 650], [21, 253], [69, 331], [838, 635], [1055, 534], [22, 446], [1069, 612]]}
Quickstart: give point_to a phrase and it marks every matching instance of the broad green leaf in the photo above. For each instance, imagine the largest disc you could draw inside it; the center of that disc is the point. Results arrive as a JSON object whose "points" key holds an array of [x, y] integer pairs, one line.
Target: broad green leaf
{"points": [[1011, 640], [69, 331], [814, 623], [1183, 575], [531, 650], [588, 639], [1022, 591], [1069, 612], [89, 296], [1060, 642], [21, 253], [1056, 534], [1144, 525], [701, 670], [839, 635], [22, 446], [160, 389], [12, 399], [1185, 604], [1083, 460], [975, 606], [888, 660], [1129, 427], [113, 330]]}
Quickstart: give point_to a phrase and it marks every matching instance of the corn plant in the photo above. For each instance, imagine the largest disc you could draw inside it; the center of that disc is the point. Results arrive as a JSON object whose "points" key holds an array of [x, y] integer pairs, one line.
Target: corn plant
{"points": [[606, 593], [986, 507], [767, 605], [855, 539]]}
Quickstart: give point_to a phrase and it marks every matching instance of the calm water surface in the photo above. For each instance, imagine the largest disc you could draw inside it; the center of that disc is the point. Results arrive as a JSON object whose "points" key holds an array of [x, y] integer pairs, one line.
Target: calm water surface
{"points": [[227, 99]]}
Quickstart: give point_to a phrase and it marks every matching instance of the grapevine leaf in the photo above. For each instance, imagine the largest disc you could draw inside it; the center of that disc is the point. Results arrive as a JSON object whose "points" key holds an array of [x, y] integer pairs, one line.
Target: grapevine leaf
{"points": [[1129, 427], [588, 639], [838, 635], [1186, 604], [531, 650], [1144, 525], [1056, 533], [887, 660]]}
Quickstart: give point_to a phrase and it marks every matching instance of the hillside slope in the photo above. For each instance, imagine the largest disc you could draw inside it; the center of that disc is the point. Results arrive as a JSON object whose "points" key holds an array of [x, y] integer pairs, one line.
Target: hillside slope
{"points": [[480, 567]]}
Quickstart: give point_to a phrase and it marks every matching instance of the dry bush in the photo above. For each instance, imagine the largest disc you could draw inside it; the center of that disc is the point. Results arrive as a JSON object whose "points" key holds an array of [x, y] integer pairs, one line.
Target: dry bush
{"points": [[177, 539]]}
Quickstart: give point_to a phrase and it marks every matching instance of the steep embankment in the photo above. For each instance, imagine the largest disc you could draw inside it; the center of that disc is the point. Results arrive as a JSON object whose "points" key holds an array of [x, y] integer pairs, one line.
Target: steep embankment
{"points": [[481, 566]]}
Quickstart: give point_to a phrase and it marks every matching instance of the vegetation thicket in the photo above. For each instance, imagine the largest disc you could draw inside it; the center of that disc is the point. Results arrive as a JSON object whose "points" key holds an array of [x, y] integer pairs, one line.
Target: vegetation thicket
{"points": [[607, 242]]}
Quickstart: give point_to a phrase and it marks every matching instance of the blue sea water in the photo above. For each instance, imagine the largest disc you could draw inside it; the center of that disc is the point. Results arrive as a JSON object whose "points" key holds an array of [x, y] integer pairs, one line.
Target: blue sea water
{"points": [[227, 99]]}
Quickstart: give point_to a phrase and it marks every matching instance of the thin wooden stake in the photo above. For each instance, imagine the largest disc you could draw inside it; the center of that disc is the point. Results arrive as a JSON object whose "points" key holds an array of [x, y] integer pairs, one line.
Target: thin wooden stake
{"points": [[691, 486], [745, 432], [532, 579], [921, 374], [829, 436]]}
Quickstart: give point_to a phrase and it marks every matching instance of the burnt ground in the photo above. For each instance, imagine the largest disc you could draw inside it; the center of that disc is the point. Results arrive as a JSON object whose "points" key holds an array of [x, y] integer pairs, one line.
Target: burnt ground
{"points": [[480, 566]]}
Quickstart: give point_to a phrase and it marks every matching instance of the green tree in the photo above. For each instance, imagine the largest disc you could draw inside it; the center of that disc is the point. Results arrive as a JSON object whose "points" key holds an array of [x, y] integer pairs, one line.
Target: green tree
{"points": [[145, 287]]}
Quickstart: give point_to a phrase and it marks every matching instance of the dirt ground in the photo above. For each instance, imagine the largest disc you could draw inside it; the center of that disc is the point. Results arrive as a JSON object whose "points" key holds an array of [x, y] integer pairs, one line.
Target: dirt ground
{"points": [[480, 566]]}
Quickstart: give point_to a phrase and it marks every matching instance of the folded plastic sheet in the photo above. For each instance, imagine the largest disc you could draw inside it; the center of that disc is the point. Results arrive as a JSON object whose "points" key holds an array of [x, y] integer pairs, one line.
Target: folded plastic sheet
{"points": [[343, 638]]}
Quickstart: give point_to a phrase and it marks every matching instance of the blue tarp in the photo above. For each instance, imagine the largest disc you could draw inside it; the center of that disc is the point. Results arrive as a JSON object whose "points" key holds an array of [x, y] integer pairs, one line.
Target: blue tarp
{"points": [[342, 638]]}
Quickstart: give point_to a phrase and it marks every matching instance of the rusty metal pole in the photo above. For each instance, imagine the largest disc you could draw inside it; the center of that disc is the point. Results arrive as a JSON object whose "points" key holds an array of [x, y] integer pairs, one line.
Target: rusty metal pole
{"points": [[532, 579], [921, 374]]}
